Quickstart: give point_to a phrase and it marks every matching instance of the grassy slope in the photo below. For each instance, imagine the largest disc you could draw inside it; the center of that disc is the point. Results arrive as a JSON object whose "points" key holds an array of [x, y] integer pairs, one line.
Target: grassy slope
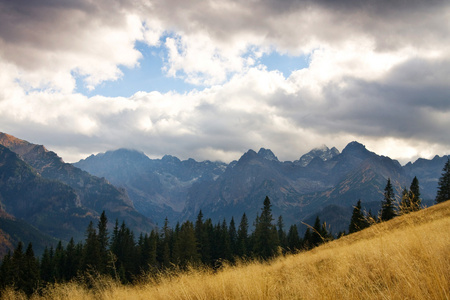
{"points": [[406, 258]]}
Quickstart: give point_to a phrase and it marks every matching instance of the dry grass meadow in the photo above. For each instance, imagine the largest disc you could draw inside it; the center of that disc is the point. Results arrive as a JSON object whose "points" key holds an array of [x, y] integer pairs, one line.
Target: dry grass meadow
{"points": [[405, 258]]}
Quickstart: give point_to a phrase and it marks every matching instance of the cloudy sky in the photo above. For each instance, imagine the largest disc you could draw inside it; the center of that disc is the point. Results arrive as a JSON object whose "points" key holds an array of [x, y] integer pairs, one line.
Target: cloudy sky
{"points": [[212, 79]]}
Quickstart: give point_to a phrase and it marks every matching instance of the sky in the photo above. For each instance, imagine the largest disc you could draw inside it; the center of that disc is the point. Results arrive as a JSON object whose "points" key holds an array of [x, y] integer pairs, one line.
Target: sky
{"points": [[209, 79]]}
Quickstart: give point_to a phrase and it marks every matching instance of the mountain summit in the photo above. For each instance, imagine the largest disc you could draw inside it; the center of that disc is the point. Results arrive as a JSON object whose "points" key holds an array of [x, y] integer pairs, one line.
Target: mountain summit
{"points": [[322, 152]]}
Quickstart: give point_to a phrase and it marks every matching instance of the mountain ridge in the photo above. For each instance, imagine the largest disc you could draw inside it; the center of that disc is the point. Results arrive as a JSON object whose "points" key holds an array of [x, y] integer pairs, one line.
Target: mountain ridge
{"points": [[297, 190]]}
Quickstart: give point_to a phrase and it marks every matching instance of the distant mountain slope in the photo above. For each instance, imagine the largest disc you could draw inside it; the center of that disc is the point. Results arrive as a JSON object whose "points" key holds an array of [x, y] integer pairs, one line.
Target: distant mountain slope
{"points": [[13, 230], [158, 187], [322, 182], [49, 205], [92, 194]]}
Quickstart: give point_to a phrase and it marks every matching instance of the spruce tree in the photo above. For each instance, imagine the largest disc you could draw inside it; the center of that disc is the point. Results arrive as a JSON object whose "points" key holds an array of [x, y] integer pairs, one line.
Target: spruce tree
{"points": [[265, 235], [405, 203], [103, 241], [232, 233], [281, 233], [91, 250], [59, 260], [358, 221], [242, 238], [188, 245], [6, 276], [415, 194], [72, 261], [443, 193], [293, 239], [30, 280], [387, 206], [317, 237]]}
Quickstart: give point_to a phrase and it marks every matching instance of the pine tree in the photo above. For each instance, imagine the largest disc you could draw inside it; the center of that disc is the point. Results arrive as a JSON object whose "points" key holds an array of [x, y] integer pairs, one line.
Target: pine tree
{"points": [[242, 238], [17, 264], [443, 193], [265, 235], [415, 194], [405, 203], [188, 245], [307, 239], [30, 279], [103, 241], [201, 235], [59, 263], [6, 276], [293, 239], [91, 251], [358, 221], [232, 233], [72, 261], [317, 237], [46, 266], [281, 233], [387, 206]]}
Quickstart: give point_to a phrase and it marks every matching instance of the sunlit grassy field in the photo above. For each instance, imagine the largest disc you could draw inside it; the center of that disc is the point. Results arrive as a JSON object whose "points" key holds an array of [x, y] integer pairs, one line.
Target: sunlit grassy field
{"points": [[405, 258]]}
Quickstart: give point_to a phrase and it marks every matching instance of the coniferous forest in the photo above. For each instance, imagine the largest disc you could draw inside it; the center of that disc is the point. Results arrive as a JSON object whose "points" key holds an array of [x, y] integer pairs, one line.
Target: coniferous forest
{"points": [[125, 257]]}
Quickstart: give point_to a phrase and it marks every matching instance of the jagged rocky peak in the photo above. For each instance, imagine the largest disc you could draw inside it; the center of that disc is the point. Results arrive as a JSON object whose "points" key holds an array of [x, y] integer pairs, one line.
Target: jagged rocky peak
{"points": [[267, 154], [356, 149], [322, 152], [171, 159]]}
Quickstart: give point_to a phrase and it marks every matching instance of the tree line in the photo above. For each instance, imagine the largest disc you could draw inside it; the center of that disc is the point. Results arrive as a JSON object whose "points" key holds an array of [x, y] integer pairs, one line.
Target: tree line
{"points": [[410, 201], [121, 255]]}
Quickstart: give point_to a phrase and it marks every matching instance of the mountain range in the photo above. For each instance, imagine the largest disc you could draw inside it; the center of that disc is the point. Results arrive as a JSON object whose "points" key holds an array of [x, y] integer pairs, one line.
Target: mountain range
{"points": [[322, 182], [43, 199]]}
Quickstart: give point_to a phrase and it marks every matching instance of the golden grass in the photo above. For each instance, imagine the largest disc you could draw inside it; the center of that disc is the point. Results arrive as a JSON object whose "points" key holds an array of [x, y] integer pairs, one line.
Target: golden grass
{"points": [[405, 258]]}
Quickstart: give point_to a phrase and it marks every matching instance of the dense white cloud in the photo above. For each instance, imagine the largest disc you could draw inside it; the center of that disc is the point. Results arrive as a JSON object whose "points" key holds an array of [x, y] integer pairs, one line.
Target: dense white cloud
{"points": [[378, 73]]}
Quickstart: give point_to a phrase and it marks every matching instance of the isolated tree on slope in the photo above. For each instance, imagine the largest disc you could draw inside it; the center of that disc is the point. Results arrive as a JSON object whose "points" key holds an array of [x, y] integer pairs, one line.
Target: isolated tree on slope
{"points": [[358, 221], [387, 206], [414, 194], [443, 193]]}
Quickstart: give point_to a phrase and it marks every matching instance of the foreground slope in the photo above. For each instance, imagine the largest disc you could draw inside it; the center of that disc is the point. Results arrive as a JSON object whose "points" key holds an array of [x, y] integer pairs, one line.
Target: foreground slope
{"points": [[405, 258]]}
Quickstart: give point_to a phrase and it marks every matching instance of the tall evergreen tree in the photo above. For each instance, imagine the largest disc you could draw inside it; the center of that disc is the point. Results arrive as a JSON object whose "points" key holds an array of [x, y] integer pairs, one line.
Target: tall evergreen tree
{"points": [[358, 221], [443, 193], [59, 260], [204, 247], [293, 239], [72, 261], [103, 241], [281, 233], [415, 194], [46, 267], [265, 235], [91, 251], [30, 280], [242, 237], [387, 206], [232, 233], [6, 276], [188, 245], [317, 237]]}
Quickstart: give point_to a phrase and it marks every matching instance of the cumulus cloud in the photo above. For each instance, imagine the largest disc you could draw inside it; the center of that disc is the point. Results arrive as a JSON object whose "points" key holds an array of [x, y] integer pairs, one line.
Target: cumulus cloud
{"points": [[377, 73]]}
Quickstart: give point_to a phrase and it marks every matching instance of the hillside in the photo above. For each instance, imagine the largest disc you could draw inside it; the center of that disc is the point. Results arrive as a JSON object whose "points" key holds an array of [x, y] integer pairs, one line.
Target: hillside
{"points": [[405, 258]]}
